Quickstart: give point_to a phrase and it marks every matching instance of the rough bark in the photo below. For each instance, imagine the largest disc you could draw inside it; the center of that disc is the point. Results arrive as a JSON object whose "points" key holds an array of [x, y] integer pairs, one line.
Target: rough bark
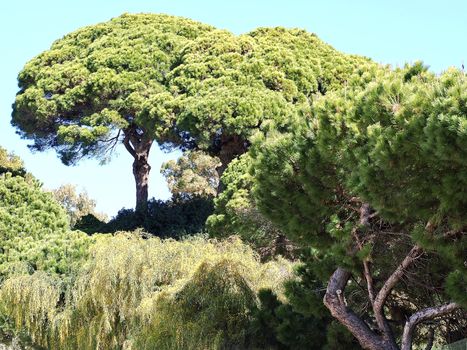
{"points": [[141, 169], [138, 145], [422, 316], [335, 301]]}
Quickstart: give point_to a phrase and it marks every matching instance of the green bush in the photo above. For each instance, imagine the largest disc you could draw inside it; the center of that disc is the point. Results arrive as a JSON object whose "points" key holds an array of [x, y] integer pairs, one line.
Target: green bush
{"points": [[34, 233]]}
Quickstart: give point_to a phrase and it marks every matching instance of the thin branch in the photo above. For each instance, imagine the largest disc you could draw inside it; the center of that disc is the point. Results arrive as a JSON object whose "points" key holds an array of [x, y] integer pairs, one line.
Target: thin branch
{"points": [[422, 316], [369, 281], [431, 338], [109, 149], [366, 271]]}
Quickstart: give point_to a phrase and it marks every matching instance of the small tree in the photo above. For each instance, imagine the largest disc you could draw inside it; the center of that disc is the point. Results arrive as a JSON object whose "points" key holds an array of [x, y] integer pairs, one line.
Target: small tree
{"points": [[77, 205], [192, 175]]}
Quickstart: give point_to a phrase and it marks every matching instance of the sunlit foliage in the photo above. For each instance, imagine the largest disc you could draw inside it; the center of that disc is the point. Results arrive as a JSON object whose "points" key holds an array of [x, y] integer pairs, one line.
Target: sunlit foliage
{"points": [[100, 79], [34, 232], [136, 293], [11, 163], [192, 175]]}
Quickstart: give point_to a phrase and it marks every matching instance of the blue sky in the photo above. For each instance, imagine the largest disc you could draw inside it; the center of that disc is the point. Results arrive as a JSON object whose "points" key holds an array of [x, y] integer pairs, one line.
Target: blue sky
{"points": [[392, 32]]}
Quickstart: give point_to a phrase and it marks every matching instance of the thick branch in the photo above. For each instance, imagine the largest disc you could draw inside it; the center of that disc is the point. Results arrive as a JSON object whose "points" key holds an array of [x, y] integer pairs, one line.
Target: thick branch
{"points": [[390, 283], [422, 316], [335, 302], [126, 143], [396, 276]]}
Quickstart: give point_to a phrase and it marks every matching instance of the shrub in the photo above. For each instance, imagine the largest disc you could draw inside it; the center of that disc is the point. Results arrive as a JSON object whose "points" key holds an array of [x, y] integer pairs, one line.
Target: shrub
{"points": [[137, 293], [34, 233]]}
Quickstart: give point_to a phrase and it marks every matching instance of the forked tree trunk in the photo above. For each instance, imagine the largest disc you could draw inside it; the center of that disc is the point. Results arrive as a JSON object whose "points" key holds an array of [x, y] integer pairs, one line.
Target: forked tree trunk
{"points": [[334, 300], [383, 339]]}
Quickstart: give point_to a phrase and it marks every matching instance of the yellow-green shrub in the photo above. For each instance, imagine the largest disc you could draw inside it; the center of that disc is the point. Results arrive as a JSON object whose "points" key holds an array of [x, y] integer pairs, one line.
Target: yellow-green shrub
{"points": [[136, 293]]}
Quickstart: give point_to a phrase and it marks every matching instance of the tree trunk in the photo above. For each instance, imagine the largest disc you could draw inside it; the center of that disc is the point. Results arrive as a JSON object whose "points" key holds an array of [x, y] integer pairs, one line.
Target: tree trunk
{"points": [[138, 145], [141, 169], [334, 300]]}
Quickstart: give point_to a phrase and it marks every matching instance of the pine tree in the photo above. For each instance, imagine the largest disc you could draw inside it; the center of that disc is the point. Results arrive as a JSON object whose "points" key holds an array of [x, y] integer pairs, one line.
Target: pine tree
{"points": [[375, 182]]}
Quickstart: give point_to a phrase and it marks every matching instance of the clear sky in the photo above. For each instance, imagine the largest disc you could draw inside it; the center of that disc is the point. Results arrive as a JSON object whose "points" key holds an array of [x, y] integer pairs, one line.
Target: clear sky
{"points": [[388, 31]]}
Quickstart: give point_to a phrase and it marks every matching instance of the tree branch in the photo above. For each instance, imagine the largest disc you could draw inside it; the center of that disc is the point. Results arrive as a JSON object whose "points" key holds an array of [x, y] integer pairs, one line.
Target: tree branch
{"points": [[431, 338], [335, 302], [366, 270], [333, 299], [422, 316], [369, 281], [126, 143], [114, 140], [384, 292]]}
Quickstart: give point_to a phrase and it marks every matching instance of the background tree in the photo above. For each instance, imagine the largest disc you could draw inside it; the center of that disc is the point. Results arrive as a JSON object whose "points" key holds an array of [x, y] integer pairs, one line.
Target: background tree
{"points": [[230, 86], [192, 175], [76, 204], [103, 85], [368, 182], [11, 163]]}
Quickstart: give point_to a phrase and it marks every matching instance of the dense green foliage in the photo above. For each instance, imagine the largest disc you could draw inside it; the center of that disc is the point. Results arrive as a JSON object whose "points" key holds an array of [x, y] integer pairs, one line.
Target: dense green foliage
{"points": [[234, 84], [170, 218], [100, 79], [398, 144], [34, 233]]}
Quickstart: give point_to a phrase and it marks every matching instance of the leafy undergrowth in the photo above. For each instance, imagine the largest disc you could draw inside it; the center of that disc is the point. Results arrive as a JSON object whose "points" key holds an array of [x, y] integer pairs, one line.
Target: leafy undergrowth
{"points": [[136, 293]]}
